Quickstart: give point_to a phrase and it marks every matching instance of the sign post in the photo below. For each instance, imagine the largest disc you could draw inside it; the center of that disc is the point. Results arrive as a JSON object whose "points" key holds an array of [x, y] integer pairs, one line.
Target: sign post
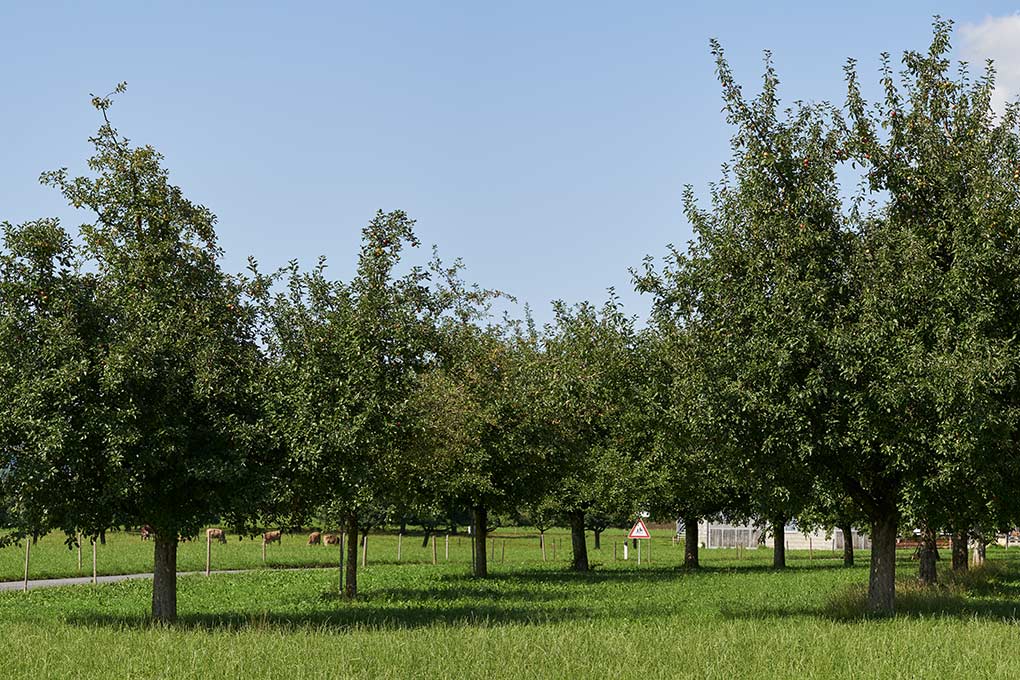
{"points": [[640, 531]]}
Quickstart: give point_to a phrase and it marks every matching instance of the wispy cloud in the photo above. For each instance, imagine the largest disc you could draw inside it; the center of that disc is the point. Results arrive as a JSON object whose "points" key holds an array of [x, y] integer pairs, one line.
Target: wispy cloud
{"points": [[996, 38]]}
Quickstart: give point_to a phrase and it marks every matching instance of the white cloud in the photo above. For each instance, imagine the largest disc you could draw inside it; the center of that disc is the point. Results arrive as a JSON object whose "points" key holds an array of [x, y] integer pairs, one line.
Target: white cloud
{"points": [[996, 38]]}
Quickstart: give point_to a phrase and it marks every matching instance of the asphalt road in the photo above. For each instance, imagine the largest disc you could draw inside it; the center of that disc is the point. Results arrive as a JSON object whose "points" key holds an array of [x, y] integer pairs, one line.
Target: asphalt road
{"points": [[82, 580]]}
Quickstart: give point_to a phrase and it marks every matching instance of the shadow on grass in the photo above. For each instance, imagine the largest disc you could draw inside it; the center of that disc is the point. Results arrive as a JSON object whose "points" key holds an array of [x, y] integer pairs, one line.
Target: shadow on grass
{"points": [[653, 573], [517, 598], [991, 592], [359, 616]]}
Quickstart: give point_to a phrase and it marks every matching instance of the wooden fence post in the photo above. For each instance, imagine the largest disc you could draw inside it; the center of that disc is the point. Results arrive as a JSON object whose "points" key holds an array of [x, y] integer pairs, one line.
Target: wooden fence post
{"points": [[447, 547], [492, 552], [435, 549], [541, 539], [364, 551], [94, 579], [399, 538], [208, 552], [502, 555]]}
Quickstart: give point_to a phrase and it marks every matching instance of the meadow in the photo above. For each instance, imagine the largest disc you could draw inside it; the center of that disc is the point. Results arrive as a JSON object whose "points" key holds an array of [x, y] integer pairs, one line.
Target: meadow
{"points": [[735, 617]]}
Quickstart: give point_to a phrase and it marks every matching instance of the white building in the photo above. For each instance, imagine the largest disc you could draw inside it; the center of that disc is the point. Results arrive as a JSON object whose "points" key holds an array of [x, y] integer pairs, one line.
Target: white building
{"points": [[724, 535]]}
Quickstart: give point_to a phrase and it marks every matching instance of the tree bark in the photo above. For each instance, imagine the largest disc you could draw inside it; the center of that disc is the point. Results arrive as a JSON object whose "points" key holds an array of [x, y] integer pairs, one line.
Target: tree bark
{"points": [[598, 538], [981, 550], [959, 547], [425, 540], [102, 537], [927, 572], [577, 542], [882, 579], [164, 579], [848, 545], [481, 518], [351, 587], [779, 544], [340, 565], [691, 543]]}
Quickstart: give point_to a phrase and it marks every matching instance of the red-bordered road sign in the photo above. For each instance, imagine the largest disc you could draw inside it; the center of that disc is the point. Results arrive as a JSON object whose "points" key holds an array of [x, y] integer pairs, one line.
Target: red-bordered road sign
{"points": [[639, 530]]}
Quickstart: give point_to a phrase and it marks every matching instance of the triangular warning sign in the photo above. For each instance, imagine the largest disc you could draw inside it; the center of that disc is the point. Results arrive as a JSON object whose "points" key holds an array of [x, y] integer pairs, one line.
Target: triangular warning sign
{"points": [[639, 530]]}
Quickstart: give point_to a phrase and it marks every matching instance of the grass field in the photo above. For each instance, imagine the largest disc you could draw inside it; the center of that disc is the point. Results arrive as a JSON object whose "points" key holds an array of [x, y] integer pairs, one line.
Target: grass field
{"points": [[734, 618]]}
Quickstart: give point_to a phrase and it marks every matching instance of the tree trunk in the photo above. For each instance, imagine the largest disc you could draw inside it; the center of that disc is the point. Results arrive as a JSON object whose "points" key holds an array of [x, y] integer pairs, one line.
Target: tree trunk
{"points": [[425, 540], [779, 544], [927, 572], [340, 565], [848, 545], [598, 538], [577, 542], [481, 566], [164, 579], [981, 549], [882, 579], [691, 543], [102, 537], [351, 587], [403, 527], [959, 547]]}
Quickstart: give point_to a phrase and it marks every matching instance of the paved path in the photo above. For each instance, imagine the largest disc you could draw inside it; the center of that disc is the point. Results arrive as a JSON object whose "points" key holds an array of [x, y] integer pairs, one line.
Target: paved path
{"points": [[82, 580]]}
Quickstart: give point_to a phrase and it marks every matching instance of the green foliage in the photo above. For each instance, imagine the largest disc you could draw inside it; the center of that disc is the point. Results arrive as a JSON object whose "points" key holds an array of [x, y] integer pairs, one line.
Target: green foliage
{"points": [[172, 352], [342, 365], [929, 343], [481, 433], [51, 425], [591, 377]]}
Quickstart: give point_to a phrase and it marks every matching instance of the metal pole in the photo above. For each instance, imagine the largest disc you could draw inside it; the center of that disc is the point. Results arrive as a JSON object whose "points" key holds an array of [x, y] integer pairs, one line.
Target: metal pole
{"points": [[28, 552]]}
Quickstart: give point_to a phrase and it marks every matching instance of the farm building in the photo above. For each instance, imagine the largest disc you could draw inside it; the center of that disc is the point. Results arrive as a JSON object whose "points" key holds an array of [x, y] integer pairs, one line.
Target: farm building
{"points": [[725, 535]]}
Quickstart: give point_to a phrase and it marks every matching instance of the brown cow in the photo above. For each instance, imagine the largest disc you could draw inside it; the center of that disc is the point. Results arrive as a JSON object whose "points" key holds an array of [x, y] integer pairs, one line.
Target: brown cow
{"points": [[331, 539], [146, 532], [314, 538], [216, 534], [271, 537]]}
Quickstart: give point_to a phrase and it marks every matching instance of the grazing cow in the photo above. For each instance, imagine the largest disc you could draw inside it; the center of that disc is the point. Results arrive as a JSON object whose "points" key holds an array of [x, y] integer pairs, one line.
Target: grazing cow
{"points": [[146, 532], [271, 537], [216, 534], [314, 538], [331, 539]]}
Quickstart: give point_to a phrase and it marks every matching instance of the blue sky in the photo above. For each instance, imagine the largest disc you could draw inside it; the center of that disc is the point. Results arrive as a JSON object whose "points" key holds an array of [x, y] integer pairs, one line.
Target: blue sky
{"points": [[547, 144]]}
